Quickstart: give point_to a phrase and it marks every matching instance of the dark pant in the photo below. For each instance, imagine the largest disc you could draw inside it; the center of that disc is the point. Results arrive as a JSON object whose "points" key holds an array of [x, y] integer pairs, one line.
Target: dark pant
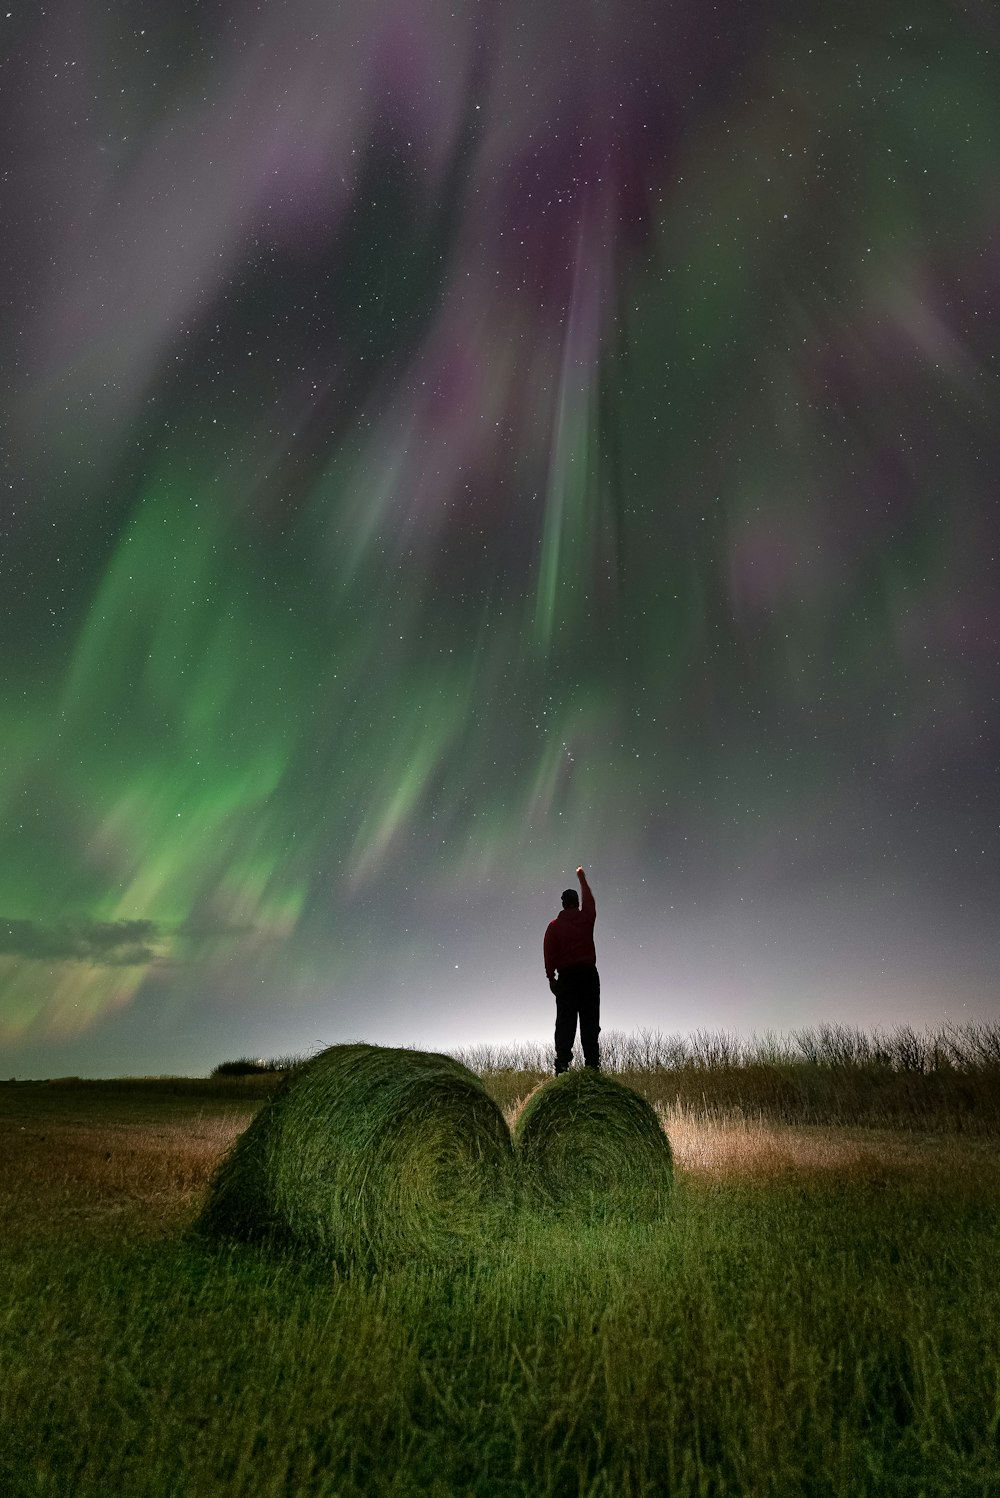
{"points": [[578, 997]]}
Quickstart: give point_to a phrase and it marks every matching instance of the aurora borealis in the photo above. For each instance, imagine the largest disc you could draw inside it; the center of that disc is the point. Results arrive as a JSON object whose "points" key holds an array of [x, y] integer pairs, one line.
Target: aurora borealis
{"points": [[446, 444]]}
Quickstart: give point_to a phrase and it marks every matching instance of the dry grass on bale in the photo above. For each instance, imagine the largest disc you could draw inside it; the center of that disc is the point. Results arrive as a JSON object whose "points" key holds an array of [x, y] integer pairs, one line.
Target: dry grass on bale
{"points": [[586, 1142], [370, 1155]]}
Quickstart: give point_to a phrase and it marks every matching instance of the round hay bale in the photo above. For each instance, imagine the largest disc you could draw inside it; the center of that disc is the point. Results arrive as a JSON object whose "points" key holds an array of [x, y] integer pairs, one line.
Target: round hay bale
{"points": [[587, 1143], [369, 1155]]}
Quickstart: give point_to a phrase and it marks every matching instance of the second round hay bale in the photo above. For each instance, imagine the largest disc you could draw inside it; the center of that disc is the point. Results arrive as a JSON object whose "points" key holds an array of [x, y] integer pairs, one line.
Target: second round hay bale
{"points": [[369, 1155], [586, 1142]]}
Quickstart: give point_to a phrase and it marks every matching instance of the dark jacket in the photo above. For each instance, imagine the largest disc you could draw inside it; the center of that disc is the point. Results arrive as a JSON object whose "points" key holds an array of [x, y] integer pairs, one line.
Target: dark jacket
{"points": [[569, 939]]}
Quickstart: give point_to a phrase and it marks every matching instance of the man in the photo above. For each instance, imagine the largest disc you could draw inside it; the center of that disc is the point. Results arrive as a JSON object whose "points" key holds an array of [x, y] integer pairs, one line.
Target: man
{"points": [[569, 952]]}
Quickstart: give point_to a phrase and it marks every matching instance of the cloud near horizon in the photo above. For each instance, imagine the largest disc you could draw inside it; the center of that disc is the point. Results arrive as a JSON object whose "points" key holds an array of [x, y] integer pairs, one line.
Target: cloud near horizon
{"points": [[104, 943]]}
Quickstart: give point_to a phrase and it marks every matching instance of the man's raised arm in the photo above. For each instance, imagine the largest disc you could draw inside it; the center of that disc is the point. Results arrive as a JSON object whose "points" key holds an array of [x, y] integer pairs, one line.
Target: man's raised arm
{"points": [[587, 904]]}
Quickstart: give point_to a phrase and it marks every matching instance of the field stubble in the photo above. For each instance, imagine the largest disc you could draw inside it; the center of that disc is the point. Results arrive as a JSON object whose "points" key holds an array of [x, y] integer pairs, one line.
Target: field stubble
{"points": [[816, 1315]]}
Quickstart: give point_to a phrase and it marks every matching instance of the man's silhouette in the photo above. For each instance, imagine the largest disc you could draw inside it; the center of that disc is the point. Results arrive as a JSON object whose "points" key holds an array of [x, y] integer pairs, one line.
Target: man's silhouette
{"points": [[569, 953]]}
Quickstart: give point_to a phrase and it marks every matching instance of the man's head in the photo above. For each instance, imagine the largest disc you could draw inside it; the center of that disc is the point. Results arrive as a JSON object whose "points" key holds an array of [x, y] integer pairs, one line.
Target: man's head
{"points": [[570, 899]]}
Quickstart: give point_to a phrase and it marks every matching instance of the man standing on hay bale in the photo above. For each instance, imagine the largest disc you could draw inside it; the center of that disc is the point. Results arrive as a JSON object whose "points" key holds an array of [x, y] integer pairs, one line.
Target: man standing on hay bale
{"points": [[570, 954]]}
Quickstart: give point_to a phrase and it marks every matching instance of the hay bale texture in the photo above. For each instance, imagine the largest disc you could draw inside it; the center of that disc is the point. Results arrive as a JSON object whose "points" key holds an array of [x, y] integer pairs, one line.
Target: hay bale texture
{"points": [[369, 1155], [588, 1143]]}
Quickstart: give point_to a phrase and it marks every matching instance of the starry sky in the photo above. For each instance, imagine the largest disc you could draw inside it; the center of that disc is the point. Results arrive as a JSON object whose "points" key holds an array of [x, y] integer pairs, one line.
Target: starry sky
{"points": [[448, 443]]}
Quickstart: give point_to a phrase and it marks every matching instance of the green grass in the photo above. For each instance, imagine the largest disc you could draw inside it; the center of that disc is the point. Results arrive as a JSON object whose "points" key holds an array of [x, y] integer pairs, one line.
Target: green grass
{"points": [[816, 1315]]}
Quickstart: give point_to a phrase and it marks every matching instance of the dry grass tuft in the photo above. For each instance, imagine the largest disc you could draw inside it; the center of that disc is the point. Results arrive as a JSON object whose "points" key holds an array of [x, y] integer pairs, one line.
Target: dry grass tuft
{"points": [[734, 1148], [57, 1168]]}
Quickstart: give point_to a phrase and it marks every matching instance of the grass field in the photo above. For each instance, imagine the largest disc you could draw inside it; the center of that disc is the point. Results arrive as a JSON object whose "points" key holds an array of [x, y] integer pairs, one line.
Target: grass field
{"points": [[818, 1314]]}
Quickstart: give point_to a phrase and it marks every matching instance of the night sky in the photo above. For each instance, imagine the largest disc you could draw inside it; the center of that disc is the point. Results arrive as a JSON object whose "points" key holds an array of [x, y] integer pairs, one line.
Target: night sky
{"points": [[448, 443]]}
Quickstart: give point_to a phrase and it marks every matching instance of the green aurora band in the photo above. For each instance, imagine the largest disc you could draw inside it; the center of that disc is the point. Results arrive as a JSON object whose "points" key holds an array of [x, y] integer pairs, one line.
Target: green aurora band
{"points": [[672, 553]]}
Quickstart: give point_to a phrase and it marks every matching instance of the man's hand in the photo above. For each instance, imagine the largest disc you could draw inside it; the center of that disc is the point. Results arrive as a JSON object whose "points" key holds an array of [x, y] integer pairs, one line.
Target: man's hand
{"points": [[554, 986], [580, 874]]}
